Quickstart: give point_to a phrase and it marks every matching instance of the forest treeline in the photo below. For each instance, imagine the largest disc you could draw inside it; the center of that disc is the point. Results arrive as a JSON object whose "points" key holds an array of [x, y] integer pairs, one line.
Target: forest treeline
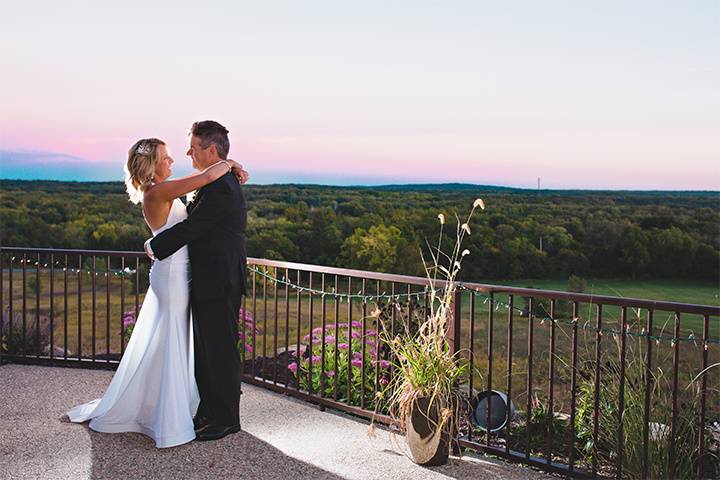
{"points": [[521, 234]]}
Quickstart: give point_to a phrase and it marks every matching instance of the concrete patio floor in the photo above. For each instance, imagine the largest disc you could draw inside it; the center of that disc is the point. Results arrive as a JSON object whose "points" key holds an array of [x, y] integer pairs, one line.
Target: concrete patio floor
{"points": [[282, 438]]}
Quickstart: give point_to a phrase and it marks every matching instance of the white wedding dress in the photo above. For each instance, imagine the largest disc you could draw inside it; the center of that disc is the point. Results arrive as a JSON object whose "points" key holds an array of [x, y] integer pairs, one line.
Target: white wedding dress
{"points": [[153, 391]]}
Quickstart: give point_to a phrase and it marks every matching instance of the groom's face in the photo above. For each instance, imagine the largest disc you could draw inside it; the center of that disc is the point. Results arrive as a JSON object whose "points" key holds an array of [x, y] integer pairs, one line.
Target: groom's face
{"points": [[200, 156]]}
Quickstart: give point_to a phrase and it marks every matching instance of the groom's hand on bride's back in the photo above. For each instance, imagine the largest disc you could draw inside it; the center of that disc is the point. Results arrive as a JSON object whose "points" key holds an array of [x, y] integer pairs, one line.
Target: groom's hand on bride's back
{"points": [[237, 170]]}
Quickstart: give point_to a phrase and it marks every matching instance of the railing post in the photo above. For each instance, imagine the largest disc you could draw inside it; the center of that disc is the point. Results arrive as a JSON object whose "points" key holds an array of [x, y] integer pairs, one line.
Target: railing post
{"points": [[453, 338], [456, 337], [453, 334]]}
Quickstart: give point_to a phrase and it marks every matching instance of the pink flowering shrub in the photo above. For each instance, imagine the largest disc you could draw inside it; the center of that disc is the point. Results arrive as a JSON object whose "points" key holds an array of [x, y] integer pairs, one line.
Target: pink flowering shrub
{"points": [[247, 332], [343, 361], [128, 321]]}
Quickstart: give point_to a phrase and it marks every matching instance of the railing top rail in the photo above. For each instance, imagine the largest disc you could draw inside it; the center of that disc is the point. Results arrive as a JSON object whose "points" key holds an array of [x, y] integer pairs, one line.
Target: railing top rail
{"points": [[597, 299], [489, 288], [72, 251], [383, 277], [411, 280]]}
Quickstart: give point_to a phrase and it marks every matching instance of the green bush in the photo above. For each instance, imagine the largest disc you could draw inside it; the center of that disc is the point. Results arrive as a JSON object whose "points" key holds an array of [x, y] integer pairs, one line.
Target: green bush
{"points": [[331, 375], [687, 428], [34, 341]]}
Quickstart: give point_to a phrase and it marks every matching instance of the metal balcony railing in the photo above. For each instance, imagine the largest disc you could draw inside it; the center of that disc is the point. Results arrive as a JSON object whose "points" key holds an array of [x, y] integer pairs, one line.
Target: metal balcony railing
{"points": [[575, 365]]}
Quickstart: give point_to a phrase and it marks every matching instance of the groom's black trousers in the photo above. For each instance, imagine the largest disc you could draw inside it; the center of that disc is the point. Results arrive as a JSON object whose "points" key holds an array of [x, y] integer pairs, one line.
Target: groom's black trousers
{"points": [[217, 362]]}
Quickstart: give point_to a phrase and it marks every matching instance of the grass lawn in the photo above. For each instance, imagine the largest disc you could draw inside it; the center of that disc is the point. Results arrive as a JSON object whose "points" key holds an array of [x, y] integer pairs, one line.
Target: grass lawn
{"points": [[672, 291], [676, 291], [667, 290]]}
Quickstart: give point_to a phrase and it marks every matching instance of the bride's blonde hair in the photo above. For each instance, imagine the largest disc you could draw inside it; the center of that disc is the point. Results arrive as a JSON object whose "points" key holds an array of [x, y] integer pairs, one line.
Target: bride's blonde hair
{"points": [[140, 167]]}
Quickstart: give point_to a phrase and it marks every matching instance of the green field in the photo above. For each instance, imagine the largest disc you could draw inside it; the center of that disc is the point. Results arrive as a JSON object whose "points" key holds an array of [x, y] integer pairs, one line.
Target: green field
{"points": [[702, 293], [683, 292]]}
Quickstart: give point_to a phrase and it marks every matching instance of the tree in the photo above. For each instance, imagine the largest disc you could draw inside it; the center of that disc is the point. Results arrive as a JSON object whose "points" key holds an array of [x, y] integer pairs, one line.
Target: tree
{"points": [[634, 256], [105, 236], [706, 264], [570, 261], [375, 249], [671, 252]]}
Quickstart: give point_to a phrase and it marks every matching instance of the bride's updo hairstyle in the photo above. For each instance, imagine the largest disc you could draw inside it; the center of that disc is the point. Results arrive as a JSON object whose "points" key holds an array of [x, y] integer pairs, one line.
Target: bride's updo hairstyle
{"points": [[140, 167]]}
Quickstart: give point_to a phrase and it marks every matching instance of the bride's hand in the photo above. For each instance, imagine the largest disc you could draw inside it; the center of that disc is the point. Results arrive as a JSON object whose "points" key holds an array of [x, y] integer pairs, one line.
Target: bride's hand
{"points": [[217, 170], [237, 170]]}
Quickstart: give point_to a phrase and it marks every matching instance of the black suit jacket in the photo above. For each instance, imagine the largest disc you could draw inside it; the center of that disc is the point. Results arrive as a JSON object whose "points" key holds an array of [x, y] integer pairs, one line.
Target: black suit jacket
{"points": [[215, 235]]}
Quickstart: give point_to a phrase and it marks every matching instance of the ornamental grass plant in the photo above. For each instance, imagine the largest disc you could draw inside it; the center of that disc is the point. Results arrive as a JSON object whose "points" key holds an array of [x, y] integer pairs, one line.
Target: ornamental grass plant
{"points": [[605, 453], [424, 364]]}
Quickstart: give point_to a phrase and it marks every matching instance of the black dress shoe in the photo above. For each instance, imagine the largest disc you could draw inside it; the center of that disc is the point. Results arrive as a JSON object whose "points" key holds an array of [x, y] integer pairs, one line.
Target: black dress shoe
{"points": [[200, 423], [216, 432]]}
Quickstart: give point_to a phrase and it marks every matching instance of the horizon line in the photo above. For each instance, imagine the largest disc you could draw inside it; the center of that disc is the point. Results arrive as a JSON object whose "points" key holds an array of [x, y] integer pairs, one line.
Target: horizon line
{"points": [[410, 184]]}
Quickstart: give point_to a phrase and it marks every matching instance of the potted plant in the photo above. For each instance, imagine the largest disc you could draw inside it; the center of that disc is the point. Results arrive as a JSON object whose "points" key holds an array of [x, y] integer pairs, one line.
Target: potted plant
{"points": [[423, 395]]}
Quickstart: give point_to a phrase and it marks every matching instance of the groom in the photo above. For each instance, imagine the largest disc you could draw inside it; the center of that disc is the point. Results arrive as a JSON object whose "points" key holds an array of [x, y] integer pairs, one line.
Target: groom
{"points": [[215, 234]]}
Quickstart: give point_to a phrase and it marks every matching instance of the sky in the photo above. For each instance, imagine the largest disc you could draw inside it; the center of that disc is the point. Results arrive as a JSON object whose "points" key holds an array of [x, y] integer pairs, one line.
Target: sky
{"points": [[591, 94]]}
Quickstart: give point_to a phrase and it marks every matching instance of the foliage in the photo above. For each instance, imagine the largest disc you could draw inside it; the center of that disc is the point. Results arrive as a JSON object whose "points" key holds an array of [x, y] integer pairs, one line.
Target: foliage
{"points": [[32, 285], [247, 333], [377, 249], [128, 321], [535, 427], [658, 235], [32, 338], [576, 284], [340, 354], [606, 452]]}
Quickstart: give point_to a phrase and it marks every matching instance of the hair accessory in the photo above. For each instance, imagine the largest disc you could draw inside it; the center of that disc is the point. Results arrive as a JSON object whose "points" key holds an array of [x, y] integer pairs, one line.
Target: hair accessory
{"points": [[143, 149]]}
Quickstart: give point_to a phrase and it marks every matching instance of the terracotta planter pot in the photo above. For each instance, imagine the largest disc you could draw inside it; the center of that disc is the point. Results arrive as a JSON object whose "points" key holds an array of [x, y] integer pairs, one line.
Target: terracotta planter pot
{"points": [[428, 446]]}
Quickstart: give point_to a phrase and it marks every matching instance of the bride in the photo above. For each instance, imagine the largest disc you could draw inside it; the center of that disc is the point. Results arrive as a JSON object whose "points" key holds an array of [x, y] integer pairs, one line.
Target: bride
{"points": [[153, 391]]}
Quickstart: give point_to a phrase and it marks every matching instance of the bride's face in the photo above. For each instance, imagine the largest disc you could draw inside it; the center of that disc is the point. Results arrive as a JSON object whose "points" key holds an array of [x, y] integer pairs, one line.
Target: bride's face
{"points": [[163, 167]]}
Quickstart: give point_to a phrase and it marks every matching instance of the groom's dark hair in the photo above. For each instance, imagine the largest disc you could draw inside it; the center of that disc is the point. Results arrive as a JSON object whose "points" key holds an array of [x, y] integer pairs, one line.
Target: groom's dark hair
{"points": [[212, 133]]}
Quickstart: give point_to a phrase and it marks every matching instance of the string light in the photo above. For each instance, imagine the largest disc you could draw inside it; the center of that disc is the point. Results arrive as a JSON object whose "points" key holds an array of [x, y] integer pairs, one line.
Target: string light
{"points": [[59, 264], [345, 297], [342, 297], [575, 322], [586, 326]]}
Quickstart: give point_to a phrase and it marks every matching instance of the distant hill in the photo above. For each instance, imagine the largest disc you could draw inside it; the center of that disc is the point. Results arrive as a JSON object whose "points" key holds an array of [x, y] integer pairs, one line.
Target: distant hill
{"points": [[459, 188], [469, 187], [454, 187], [29, 165], [63, 186]]}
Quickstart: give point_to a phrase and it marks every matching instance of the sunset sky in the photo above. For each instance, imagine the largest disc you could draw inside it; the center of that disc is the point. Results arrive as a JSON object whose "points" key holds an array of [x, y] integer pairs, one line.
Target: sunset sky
{"points": [[604, 94]]}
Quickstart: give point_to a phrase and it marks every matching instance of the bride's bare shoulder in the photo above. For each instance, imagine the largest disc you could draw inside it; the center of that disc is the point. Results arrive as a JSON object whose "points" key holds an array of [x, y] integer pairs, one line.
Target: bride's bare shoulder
{"points": [[155, 211], [150, 194]]}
